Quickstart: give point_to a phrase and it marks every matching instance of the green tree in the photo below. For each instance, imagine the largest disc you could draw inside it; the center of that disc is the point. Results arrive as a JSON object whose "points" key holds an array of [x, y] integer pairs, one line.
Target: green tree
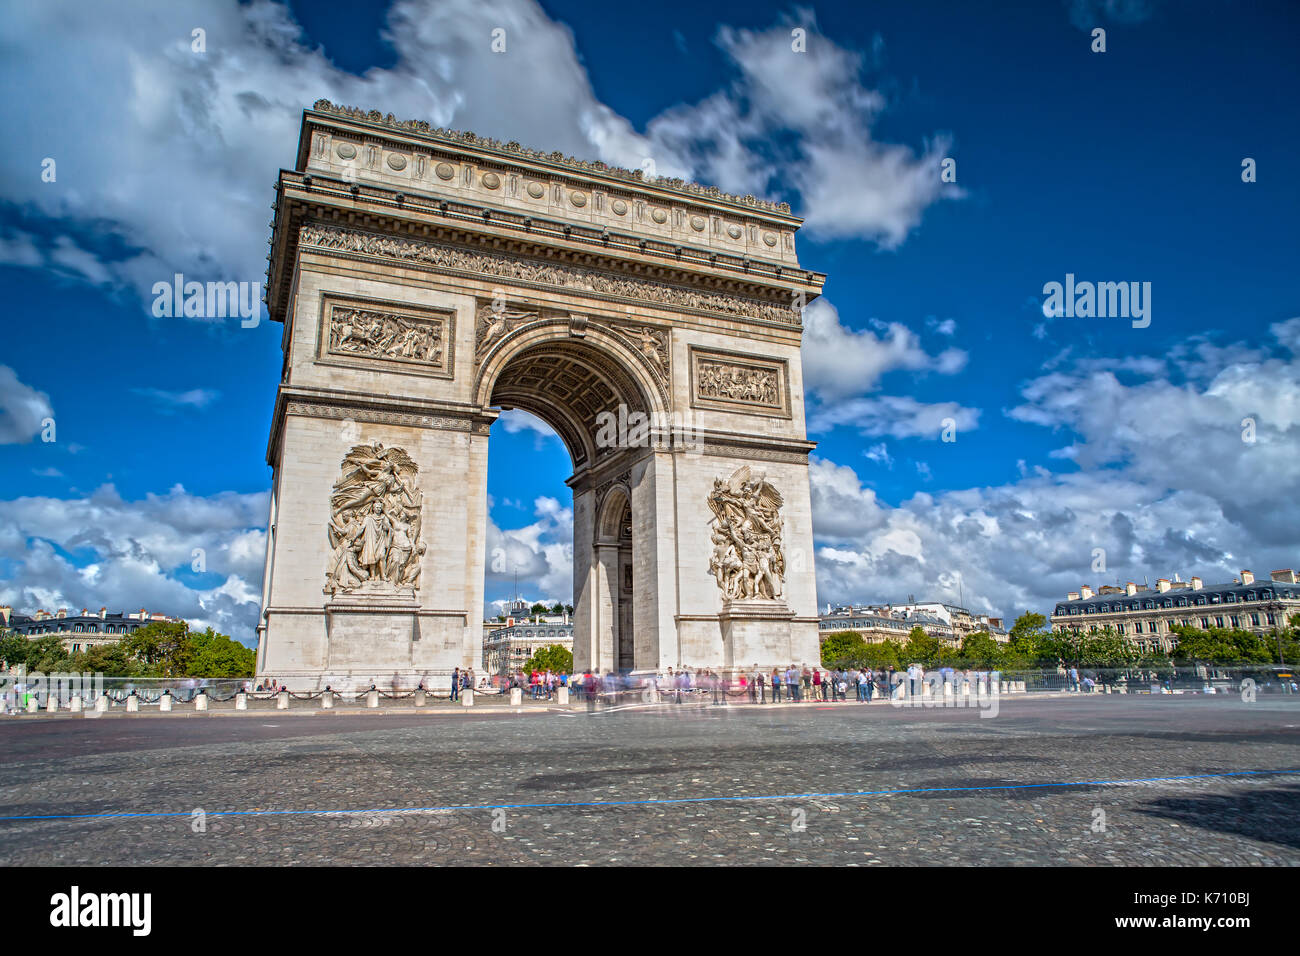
{"points": [[552, 657], [209, 654], [980, 650], [159, 648], [842, 648], [921, 648]]}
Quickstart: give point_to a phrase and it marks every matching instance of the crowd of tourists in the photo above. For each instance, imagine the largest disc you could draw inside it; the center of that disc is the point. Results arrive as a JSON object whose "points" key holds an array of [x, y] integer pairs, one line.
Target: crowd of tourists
{"points": [[756, 685]]}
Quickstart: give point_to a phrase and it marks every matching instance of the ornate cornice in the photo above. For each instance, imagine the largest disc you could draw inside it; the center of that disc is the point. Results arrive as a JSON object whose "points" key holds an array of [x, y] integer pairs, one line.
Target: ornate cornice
{"points": [[515, 150]]}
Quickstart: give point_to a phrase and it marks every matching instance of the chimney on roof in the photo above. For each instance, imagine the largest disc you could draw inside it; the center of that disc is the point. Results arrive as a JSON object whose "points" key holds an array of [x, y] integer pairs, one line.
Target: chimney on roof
{"points": [[1085, 591], [1162, 585], [1197, 583], [1130, 588], [1285, 576], [5, 612], [62, 612], [1247, 577], [103, 613], [1072, 596]]}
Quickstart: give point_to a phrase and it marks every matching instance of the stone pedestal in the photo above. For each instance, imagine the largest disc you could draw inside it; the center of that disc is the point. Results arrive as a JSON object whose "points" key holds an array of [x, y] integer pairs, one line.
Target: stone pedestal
{"points": [[562, 696], [516, 696], [101, 704], [374, 628], [200, 701], [282, 700], [133, 704], [327, 700], [52, 704], [419, 697], [764, 632], [165, 703], [75, 705], [372, 698], [467, 697], [241, 702]]}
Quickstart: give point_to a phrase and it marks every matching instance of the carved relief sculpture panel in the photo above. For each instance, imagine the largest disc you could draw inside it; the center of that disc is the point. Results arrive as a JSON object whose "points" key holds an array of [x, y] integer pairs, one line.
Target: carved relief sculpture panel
{"points": [[358, 333], [727, 382], [747, 561], [375, 524]]}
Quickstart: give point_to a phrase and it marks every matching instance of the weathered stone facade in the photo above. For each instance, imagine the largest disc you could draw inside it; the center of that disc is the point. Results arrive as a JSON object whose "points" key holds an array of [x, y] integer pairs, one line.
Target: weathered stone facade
{"points": [[426, 280]]}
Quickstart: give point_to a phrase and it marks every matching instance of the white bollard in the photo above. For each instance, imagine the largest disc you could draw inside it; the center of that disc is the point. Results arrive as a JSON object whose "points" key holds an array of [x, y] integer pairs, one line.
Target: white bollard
{"points": [[201, 701], [52, 704], [327, 699], [419, 697], [467, 697], [372, 698], [241, 701], [75, 705], [516, 696], [282, 701], [101, 704], [947, 690], [562, 696], [133, 704], [165, 703]]}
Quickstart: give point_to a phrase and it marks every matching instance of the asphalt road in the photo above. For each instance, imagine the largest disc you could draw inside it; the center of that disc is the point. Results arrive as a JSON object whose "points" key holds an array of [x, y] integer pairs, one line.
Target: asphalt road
{"points": [[1048, 781]]}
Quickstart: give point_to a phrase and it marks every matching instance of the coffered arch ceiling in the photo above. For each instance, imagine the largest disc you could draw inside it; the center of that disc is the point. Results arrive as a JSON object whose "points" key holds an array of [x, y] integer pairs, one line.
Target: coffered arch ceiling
{"points": [[568, 385]]}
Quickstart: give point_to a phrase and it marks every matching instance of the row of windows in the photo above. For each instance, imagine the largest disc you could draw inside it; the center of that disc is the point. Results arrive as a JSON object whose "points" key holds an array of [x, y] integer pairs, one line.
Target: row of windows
{"points": [[1235, 621], [1204, 623], [1150, 605], [82, 629]]}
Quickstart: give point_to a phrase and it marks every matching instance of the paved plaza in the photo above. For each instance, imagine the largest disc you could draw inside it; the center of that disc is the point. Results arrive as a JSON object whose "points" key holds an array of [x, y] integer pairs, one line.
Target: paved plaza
{"points": [[1048, 781]]}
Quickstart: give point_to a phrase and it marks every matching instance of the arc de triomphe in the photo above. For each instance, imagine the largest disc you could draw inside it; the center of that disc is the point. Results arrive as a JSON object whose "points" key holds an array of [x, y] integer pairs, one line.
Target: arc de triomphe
{"points": [[428, 279]]}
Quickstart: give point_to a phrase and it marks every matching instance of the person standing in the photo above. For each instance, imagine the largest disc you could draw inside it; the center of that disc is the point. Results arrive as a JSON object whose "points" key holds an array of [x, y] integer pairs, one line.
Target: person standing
{"points": [[776, 686], [758, 680], [455, 683]]}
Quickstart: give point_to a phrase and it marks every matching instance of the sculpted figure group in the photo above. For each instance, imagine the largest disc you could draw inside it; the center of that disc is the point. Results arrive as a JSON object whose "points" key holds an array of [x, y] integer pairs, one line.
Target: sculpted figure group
{"points": [[747, 559], [374, 530]]}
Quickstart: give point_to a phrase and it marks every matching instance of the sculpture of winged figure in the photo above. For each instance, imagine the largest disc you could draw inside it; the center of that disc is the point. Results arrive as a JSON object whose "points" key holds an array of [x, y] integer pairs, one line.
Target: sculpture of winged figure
{"points": [[376, 512], [747, 560]]}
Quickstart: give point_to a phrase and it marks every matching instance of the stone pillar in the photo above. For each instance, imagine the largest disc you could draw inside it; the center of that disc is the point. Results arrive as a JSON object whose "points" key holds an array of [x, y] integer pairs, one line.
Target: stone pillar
{"points": [[165, 703], [516, 696], [419, 697], [372, 698], [562, 696], [133, 704], [241, 701], [75, 705], [282, 700], [327, 699], [101, 704], [32, 705], [467, 697], [201, 701], [52, 703]]}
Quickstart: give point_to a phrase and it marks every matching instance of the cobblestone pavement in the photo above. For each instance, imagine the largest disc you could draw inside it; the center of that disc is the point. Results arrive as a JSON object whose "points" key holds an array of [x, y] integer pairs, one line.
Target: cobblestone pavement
{"points": [[736, 770]]}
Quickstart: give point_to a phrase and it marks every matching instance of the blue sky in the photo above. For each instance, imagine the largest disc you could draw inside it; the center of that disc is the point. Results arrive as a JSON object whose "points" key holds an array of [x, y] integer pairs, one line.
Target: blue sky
{"points": [[1072, 434]]}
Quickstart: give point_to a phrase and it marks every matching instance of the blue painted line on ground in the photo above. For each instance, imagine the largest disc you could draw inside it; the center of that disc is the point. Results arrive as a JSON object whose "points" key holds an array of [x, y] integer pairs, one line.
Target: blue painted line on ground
{"points": [[653, 801]]}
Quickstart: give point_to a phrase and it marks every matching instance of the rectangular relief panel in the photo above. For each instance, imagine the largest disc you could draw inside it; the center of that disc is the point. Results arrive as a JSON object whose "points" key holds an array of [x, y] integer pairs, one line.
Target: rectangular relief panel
{"points": [[387, 336], [739, 382]]}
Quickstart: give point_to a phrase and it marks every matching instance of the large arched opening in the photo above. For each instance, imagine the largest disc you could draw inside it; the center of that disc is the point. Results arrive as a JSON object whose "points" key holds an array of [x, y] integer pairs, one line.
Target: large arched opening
{"points": [[602, 399]]}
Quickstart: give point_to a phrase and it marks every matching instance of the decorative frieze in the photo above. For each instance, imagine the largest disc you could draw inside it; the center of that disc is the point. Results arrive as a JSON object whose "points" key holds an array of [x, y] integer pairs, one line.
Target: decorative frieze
{"points": [[591, 282]]}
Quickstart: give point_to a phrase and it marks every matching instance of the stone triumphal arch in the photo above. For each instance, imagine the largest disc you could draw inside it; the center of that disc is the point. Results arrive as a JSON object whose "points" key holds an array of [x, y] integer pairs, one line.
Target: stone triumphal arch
{"points": [[428, 279]]}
